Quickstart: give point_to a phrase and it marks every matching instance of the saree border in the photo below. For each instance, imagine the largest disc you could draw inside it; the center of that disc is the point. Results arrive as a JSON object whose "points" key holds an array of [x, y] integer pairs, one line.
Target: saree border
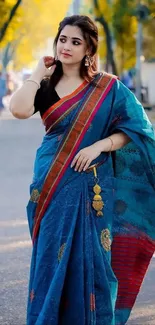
{"points": [[61, 117], [63, 100], [123, 264], [71, 143]]}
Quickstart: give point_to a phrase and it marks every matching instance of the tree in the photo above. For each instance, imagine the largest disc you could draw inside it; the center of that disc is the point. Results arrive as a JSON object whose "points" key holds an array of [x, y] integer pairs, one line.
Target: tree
{"points": [[103, 15], [125, 18], [11, 15], [33, 25], [119, 20], [124, 30], [40, 24]]}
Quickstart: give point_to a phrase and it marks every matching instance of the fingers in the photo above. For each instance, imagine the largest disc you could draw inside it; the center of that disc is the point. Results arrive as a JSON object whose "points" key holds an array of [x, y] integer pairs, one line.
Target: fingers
{"points": [[51, 70], [48, 61], [87, 165], [75, 160], [80, 163]]}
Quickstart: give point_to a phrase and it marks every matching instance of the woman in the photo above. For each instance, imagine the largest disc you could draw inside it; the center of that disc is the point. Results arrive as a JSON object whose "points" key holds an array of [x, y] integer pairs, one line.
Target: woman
{"points": [[93, 188]]}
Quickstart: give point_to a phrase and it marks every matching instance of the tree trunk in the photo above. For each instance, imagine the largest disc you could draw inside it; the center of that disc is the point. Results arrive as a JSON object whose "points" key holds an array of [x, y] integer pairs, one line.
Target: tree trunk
{"points": [[7, 54], [6, 24], [110, 55]]}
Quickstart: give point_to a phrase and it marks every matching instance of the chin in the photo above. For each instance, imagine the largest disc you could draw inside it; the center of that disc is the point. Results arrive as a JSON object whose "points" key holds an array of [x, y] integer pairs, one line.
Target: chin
{"points": [[67, 62]]}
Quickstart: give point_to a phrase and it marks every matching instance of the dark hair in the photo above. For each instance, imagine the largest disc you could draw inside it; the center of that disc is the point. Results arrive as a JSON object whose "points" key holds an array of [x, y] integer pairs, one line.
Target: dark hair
{"points": [[90, 34]]}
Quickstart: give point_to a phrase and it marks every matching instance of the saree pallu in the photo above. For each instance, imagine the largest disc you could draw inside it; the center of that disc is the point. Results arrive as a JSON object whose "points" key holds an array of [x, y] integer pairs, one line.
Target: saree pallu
{"points": [[88, 269]]}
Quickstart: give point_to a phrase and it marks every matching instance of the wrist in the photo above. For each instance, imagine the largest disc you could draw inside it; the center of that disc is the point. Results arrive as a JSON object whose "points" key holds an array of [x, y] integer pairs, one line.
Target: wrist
{"points": [[105, 145], [98, 145], [37, 76]]}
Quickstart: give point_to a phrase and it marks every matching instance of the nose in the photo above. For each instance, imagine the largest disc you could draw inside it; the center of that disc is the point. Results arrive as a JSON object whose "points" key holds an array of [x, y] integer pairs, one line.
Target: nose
{"points": [[67, 46]]}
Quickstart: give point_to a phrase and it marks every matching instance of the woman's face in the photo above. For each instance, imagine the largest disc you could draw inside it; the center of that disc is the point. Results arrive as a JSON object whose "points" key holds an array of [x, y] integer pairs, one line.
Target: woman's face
{"points": [[71, 45]]}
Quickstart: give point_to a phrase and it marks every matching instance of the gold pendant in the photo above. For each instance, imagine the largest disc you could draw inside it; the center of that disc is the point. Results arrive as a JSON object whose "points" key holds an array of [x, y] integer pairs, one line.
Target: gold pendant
{"points": [[97, 203]]}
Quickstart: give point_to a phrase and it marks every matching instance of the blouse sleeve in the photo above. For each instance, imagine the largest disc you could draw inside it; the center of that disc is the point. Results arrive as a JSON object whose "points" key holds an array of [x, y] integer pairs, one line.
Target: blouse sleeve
{"points": [[39, 97]]}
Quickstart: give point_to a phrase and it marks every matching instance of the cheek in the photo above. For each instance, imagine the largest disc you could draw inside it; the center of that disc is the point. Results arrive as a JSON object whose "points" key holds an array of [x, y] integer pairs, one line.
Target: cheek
{"points": [[79, 52], [59, 47]]}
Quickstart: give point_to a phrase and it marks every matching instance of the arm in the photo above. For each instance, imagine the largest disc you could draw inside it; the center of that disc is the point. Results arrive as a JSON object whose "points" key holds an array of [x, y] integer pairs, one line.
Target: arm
{"points": [[85, 156], [22, 101], [114, 142]]}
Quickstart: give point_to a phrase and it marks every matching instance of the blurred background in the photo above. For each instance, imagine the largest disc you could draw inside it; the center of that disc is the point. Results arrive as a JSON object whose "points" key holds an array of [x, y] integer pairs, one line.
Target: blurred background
{"points": [[27, 29], [126, 39]]}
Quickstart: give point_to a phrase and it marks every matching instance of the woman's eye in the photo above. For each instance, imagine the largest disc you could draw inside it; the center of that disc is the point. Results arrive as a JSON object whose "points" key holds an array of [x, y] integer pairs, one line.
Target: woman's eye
{"points": [[62, 40], [76, 43]]}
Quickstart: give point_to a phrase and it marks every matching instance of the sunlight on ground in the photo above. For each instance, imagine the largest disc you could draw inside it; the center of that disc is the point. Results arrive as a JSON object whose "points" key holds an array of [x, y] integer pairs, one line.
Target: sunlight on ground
{"points": [[13, 223], [15, 245]]}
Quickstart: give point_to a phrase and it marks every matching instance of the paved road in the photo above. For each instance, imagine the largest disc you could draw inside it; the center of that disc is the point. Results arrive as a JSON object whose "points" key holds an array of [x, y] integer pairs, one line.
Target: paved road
{"points": [[18, 142]]}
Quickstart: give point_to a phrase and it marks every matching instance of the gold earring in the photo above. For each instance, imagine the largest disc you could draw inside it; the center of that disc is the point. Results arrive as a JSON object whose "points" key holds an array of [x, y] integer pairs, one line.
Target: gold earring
{"points": [[87, 61]]}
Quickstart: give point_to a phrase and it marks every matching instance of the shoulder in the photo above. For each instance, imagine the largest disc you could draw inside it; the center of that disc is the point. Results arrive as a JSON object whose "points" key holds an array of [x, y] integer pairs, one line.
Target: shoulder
{"points": [[107, 79], [107, 75], [118, 85], [122, 92]]}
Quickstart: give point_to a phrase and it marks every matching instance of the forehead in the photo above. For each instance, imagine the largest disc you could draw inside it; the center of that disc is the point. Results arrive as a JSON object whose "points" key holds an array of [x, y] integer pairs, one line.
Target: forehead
{"points": [[72, 32]]}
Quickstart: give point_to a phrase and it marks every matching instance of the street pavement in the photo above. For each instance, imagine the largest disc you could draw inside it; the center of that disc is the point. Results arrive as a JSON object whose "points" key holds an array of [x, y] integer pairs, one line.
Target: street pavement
{"points": [[18, 142]]}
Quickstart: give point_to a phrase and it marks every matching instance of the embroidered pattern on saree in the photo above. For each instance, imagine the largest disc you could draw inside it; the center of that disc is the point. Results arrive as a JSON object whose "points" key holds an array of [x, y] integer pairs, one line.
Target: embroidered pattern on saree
{"points": [[32, 295], [92, 302], [35, 196], [71, 143], [61, 251], [106, 240]]}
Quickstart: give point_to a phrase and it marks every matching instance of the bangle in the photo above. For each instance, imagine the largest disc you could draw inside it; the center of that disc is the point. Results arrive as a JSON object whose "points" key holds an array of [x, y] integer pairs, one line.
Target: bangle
{"points": [[111, 144], [37, 83]]}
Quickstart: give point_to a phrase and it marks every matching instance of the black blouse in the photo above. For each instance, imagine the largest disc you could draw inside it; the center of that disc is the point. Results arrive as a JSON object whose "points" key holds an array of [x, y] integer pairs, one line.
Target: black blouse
{"points": [[45, 98]]}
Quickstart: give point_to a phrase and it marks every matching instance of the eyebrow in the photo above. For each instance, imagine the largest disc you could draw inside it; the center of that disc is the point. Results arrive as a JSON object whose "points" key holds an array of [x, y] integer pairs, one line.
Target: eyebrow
{"points": [[74, 38]]}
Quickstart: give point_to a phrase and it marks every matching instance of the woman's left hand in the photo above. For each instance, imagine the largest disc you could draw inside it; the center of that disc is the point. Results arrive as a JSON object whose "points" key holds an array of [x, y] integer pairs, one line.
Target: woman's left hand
{"points": [[85, 156]]}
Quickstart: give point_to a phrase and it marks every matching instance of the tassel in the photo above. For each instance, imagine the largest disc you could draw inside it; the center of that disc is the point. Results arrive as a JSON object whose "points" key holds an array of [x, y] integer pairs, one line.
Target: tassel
{"points": [[97, 203]]}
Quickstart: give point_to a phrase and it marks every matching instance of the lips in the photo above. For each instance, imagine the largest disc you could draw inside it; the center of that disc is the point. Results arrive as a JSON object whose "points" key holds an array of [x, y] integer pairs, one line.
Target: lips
{"points": [[66, 54]]}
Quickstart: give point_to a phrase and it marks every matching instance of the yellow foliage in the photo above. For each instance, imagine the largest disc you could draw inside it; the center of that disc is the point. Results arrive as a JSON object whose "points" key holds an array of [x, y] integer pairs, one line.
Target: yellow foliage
{"points": [[105, 9], [102, 44], [102, 37], [37, 21], [5, 9]]}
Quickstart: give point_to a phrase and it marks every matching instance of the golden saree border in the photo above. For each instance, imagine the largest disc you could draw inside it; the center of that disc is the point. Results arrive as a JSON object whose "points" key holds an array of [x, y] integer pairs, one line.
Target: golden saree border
{"points": [[71, 143]]}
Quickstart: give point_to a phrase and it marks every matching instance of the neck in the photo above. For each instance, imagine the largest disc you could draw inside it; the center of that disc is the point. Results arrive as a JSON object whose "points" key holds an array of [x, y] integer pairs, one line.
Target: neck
{"points": [[71, 71]]}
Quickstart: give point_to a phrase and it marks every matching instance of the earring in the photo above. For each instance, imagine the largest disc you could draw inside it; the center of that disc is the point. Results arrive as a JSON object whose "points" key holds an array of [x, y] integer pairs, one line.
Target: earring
{"points": [[87, 61]]}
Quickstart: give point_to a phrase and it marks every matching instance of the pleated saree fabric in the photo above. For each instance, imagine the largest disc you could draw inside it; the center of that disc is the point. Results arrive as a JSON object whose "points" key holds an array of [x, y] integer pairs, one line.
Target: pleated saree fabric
{"points": [[88, 269]]}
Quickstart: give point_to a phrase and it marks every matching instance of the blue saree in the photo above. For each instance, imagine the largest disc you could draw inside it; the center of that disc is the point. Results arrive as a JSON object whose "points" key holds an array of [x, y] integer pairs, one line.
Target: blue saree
{"points": [[88, 269]]}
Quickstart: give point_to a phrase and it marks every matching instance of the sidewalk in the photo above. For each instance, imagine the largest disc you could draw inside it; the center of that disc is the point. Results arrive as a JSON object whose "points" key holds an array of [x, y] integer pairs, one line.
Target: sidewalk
{"points": [[6, 115]]}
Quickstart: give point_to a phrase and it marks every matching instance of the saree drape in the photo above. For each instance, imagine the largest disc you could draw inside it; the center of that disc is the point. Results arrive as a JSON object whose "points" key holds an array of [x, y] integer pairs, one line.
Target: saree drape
{"points": [[87, 269]]}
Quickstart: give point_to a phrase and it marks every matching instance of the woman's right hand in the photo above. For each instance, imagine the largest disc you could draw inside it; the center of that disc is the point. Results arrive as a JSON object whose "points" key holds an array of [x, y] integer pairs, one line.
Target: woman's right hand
{"points": [[45, 67]]}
